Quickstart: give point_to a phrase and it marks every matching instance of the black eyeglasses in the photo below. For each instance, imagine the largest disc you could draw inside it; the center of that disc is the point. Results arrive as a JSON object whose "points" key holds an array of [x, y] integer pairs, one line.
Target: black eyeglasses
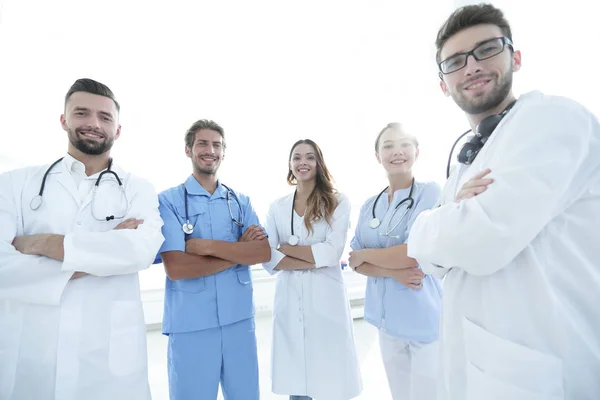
{"points": [[488, 49]]}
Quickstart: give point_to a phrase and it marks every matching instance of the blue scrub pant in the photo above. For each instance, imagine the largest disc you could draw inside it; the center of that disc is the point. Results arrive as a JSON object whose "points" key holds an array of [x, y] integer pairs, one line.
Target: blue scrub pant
{"points": [[199, 361]]}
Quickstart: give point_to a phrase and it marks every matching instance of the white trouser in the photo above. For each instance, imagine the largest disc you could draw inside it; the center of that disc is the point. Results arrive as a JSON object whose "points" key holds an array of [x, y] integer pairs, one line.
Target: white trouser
{"points": [[411, 367]]}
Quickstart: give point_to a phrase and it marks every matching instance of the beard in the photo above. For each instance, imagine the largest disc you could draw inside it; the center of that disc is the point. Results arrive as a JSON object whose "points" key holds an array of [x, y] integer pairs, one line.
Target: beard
{"points": [[481, 104], [89, 146], [206, 170]]}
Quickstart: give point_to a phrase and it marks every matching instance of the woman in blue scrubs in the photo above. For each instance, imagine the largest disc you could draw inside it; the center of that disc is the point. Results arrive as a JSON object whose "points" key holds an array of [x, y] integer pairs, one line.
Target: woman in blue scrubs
{"points": [[401, 302]]}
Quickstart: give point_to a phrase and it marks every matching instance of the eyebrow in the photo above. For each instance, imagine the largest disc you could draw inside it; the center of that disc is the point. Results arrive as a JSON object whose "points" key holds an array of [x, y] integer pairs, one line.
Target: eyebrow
{"points": [[206, 141], [308, 154], [474, 47]]}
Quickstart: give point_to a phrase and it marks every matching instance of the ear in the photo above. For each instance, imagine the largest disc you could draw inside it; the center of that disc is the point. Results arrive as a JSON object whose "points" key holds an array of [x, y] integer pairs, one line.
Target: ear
{"points": [[63, 122], [516, 61], [118, 132], [378, 157], [444, 88], [417, 153], [188, 152]]}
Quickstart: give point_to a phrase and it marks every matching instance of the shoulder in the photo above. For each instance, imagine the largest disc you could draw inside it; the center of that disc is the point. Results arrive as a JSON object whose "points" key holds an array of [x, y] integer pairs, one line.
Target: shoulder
{"points": [[20, 176], [556, 109], [281, 202], [171, 195], [343, 201], [429, 188]]}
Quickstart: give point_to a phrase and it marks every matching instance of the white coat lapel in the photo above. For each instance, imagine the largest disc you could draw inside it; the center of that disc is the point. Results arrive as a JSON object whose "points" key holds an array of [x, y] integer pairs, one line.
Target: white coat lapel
{"points": [[61, 174]]}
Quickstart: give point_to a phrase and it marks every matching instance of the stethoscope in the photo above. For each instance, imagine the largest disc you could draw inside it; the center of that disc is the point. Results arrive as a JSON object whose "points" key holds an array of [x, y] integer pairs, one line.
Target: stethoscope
{"points": [[375, 222], [188, 228], [293, 239], [37, 200]]}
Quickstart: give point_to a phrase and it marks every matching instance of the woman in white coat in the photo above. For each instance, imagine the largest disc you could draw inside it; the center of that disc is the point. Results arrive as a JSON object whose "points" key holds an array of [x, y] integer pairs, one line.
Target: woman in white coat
{"points": [[401, 302], [313, 353]]}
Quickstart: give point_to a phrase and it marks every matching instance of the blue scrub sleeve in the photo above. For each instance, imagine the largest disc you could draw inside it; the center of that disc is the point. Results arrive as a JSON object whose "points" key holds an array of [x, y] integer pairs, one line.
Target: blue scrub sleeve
{"points": [[171, 229], [356, 242], [250, 217]]}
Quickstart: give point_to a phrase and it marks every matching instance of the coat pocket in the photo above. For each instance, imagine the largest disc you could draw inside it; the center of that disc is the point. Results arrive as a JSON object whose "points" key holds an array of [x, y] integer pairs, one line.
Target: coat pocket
{"points": [[127, 352], [498, 368]]}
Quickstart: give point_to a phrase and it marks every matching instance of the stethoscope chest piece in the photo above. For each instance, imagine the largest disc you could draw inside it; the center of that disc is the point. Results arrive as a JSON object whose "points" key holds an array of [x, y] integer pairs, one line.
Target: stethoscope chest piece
{"points": [[188, 228], [293, 240], [375, 222], [36, 202]]}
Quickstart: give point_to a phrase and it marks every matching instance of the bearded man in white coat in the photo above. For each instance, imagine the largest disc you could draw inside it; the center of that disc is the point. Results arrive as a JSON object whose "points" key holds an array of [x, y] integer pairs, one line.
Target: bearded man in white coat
{"points": [[516, 235], [73, 236]]}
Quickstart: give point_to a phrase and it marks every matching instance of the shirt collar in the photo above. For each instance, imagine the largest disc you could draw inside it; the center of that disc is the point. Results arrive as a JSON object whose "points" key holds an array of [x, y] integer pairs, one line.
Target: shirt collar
{"points": [[194, 188], [72, 166]]}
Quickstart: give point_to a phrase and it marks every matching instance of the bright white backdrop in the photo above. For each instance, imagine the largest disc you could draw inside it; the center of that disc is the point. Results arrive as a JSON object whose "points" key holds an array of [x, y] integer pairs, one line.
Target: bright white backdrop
{"points": [[270, 72]]}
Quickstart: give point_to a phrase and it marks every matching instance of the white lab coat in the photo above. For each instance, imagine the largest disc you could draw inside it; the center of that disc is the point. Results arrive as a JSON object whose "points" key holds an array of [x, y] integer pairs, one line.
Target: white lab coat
{"points": [[85, 338], [313, 349], [521, 317]]}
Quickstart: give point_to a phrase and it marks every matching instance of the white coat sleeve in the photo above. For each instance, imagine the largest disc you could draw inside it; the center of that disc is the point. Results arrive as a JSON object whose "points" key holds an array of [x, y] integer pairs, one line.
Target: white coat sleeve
{"points": [[122, 251], [25, 278], [532, 183], [273, 237], [329, 252]]}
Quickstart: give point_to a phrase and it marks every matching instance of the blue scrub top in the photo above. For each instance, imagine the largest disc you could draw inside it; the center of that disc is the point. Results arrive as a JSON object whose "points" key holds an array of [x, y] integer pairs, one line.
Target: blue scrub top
{"points": [[216, 300], [390, 306]]}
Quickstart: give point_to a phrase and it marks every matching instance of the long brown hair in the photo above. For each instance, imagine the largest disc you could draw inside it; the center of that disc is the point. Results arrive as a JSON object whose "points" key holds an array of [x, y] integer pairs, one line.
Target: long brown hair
{"points": [[321, 203]]}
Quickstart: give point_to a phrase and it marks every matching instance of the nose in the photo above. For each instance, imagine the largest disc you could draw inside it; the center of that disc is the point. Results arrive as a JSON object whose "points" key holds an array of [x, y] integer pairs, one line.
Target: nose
{"points": [[93, 121], [473, 66]]}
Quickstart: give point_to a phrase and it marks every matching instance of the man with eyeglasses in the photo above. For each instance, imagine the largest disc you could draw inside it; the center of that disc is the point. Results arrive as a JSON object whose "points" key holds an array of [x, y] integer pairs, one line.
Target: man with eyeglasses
{"points": [[519, 252]]}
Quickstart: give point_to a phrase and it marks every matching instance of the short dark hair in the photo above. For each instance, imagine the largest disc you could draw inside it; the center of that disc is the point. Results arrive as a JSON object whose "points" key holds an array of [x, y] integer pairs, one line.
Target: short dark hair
{"points": [[190, 135], [466, 17], [396, 126], [91, 86]]}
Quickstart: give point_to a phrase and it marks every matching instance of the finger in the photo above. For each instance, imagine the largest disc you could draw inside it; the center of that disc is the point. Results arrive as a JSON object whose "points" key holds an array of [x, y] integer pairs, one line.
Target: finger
{"points": [[477, 182], [482, 174]]}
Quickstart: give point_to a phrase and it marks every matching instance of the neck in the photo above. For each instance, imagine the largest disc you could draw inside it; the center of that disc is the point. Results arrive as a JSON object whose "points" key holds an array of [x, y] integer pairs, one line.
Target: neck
{"points": [[304, 189], [400, 181], [93, 163], [475, 119], [207, 181]]}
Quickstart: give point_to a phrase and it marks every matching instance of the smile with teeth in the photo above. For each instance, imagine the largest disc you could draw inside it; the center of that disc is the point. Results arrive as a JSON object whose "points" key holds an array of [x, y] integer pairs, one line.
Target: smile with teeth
{"points": [[91, 135], [303, 169], [476, 85], [397, 162]]}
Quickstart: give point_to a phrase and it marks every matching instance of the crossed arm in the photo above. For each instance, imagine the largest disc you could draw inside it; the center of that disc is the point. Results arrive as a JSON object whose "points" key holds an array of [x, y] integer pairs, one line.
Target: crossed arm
{"points": [[204, 257], [296, 258]]}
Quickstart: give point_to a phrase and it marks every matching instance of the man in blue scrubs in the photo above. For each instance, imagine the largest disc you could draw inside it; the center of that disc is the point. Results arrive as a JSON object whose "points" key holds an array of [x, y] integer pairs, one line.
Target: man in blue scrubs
{"points": [[212, 235]]}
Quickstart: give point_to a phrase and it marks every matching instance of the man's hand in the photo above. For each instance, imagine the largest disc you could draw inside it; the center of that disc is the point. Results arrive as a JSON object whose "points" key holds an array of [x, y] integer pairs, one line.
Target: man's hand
{"points": [[474, 186], [355, 259], [410, 277], [27, 244], [131, 223], [253, 232]]}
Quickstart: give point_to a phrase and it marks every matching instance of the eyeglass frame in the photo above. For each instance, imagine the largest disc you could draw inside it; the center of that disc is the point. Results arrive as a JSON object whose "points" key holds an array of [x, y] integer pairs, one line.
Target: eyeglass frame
{"points": [[505, 41]]}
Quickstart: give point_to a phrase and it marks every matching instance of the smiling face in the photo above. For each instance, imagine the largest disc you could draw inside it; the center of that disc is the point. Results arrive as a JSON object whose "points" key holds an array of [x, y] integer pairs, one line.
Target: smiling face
{"points": [[397, 151], [303, 163], [91, 122], [207, 151], [481, 86]]}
